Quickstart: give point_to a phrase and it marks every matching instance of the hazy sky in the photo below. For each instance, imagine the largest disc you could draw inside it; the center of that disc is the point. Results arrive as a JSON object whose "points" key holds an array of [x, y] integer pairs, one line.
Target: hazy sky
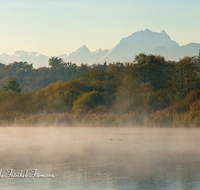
{"points": [[54, 27]]}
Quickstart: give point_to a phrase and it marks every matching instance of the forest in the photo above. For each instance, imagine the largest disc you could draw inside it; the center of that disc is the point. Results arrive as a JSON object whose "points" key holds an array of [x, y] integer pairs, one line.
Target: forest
{"points": [[150, 91]]}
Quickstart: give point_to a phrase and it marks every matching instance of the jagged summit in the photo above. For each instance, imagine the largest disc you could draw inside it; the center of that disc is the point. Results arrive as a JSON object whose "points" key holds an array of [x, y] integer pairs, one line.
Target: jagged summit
{"points": [[82, 55], [83, 46], [146, 36], [140, 41], [82, 49], [163, 32]]}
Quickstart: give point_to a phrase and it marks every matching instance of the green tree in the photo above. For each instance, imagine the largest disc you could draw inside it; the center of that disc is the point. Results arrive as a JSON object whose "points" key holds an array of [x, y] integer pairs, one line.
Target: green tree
{"points": [[186, 74], [12, 85], [141, 65], [55, 61], [153, 69]]}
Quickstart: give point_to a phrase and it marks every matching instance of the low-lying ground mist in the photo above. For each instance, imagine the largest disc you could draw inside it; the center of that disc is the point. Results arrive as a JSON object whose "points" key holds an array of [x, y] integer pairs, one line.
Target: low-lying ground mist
{"points": [[131, 152]]}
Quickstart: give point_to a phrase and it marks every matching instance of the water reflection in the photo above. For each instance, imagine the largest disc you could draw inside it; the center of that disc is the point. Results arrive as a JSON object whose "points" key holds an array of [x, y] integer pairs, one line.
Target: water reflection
{"points": [[150, 159]]}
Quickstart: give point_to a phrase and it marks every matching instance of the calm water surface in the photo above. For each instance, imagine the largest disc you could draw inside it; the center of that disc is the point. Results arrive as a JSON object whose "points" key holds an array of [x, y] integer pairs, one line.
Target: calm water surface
{"points": [[95, 158]]}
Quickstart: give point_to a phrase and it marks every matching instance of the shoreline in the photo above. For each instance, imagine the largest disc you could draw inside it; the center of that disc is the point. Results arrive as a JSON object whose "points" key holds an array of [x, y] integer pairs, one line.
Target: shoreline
{"points": [[132, 120]]}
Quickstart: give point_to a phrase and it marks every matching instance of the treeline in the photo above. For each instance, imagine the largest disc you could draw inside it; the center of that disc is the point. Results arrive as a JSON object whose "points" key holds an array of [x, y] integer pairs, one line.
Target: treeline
{"points": [[157, 91], [29, 78]]}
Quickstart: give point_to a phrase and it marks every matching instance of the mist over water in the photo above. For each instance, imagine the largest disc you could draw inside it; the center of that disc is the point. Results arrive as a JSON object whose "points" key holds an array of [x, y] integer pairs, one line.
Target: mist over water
{"points": [[102, 158]]}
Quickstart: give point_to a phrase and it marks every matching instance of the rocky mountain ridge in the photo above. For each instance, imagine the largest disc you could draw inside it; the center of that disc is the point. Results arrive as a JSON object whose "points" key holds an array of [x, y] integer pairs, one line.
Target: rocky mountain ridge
{"points": [[142, 41]]}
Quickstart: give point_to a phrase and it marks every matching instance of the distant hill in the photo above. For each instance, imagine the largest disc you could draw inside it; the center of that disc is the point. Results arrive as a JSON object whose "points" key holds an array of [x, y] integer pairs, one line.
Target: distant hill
{"points": [[176, 52], [38, 60], [142, 41], [64, 57], [84, 55]]}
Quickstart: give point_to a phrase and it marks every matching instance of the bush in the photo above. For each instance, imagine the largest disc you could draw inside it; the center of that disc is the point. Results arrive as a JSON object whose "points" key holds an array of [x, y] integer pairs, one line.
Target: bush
{"points": [[88, 101]]}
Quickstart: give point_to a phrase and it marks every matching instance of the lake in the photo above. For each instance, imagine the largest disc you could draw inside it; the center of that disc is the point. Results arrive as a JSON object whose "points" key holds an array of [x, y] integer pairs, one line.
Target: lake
{"points": [[99, 158]]}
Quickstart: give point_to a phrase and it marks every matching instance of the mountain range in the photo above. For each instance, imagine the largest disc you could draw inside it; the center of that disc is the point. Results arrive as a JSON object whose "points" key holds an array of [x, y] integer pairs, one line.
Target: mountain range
{"points": [[142, 41]]}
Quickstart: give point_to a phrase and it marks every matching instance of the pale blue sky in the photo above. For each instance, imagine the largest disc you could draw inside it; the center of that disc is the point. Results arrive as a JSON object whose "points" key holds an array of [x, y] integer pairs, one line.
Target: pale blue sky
{"points": [[54, 27]]}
